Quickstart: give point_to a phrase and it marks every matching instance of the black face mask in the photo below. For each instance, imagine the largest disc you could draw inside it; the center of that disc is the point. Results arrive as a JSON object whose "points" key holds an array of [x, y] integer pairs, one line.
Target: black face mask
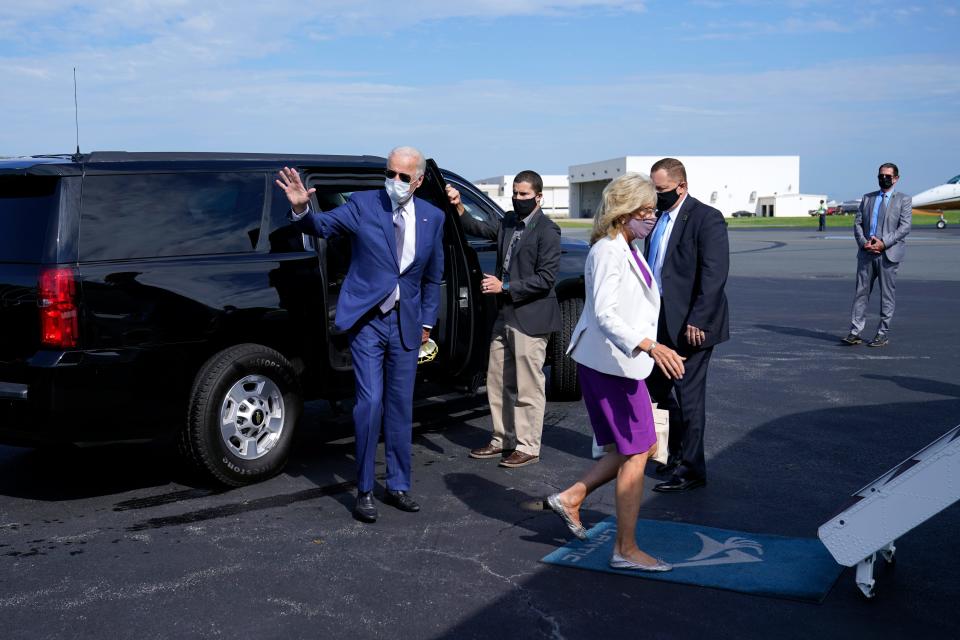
{"points": [[667, 199], [885, 181], [523, 208]]}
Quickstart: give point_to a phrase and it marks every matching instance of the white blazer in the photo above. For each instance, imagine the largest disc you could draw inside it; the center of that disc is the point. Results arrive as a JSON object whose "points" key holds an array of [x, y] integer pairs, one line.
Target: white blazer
{"points": [[619, 312]]}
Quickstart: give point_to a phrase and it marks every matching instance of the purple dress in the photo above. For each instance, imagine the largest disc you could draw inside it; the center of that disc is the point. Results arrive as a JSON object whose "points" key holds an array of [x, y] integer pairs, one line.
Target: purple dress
{"points": [[619, 408]]}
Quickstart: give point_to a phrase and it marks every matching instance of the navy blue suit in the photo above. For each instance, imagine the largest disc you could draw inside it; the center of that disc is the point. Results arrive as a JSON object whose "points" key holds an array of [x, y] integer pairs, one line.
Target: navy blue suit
{"points": [[694, 277], [384, 346]]}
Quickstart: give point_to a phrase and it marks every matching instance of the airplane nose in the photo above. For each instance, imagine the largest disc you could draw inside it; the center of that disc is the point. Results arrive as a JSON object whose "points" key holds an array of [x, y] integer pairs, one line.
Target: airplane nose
{"points": [[926, 197]]}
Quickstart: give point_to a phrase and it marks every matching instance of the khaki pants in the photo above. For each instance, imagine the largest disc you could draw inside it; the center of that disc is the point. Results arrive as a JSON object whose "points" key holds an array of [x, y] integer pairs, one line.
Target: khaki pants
{"points": [[515, 386]]}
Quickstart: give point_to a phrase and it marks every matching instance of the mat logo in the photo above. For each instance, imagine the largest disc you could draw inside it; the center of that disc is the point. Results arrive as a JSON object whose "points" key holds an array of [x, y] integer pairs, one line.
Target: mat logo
{"points": [[732, 551], [598, 541]]}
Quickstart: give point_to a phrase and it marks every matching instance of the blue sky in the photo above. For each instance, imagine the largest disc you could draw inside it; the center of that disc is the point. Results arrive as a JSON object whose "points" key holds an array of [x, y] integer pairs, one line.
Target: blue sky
{"points": [[494, 86]]}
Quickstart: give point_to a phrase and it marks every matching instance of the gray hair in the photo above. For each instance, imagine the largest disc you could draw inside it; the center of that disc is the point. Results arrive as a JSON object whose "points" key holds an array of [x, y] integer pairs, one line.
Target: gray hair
{"points": [[411, 152]]}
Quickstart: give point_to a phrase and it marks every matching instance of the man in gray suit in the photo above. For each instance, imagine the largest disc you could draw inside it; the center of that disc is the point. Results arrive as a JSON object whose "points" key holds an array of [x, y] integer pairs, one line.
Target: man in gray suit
{"points": [[880, 228]]}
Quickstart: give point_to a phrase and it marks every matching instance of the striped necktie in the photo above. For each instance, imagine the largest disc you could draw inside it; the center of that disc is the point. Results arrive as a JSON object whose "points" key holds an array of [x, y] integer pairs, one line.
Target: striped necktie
{"points": [[399, 234], [399, 231]]}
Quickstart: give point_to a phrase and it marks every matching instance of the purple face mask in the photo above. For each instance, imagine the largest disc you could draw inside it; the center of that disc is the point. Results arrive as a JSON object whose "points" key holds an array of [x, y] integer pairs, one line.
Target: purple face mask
{"points": [[641, 228]]}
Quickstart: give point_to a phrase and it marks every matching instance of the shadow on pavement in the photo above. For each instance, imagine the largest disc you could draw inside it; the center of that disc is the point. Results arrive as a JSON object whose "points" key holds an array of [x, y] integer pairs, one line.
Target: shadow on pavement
{"points": [[801, 333], [926, 385], [492, 500], [69, 473]]}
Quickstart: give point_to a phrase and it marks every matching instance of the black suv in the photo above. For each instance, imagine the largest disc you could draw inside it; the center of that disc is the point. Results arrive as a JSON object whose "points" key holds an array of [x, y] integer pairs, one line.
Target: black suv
{"points": [[150, 293]]}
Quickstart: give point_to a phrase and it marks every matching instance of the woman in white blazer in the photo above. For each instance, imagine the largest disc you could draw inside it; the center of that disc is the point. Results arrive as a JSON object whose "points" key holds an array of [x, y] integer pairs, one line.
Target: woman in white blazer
{"points": [[614, 345]]}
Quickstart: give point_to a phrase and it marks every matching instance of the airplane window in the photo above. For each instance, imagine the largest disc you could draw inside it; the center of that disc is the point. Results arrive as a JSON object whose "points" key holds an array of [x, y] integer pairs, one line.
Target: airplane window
{"points": [[954, 180]]}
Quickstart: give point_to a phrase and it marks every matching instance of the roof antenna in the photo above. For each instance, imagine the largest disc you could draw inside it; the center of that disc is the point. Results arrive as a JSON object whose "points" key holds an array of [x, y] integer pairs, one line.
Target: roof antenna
{"points": [[76, 115]]}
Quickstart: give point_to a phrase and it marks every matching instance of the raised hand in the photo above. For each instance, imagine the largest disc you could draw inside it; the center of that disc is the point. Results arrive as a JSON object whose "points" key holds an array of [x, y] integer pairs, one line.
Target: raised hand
{"points": [[297, 194], [454, 196], [491, 285]]}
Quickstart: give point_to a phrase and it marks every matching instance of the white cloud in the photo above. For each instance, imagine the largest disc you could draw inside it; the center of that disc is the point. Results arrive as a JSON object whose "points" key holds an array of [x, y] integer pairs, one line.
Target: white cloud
{"points": [[165, 76], [112, 22], [477, 120]]}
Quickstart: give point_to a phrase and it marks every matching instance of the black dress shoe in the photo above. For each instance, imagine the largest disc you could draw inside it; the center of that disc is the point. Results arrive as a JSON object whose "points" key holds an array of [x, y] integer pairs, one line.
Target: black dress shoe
{"points": [[668, 466], [676, 484], [852, 339], [365, 510], [401, 500]]}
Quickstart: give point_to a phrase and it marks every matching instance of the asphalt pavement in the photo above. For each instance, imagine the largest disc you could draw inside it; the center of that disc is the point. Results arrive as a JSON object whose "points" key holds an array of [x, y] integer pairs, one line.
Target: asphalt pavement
{"points": [[115, 541]]}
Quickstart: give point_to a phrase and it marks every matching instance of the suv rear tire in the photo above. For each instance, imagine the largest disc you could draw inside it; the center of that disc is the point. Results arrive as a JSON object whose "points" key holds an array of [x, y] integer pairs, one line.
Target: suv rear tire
{"points": [[244, 405], [564, 383]]}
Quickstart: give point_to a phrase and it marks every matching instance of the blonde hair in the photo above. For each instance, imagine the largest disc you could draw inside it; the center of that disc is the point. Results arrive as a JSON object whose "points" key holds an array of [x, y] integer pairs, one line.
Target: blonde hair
{"points": [[624, 195]]}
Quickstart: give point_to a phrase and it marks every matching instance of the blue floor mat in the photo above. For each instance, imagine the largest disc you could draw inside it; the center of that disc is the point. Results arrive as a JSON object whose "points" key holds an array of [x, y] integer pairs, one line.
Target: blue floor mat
{"points": [[794, 568]]}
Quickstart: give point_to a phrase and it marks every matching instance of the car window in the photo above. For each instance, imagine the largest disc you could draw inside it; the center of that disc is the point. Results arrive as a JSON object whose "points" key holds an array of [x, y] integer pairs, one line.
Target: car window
{"points": [[338, 248], [27, 205], [473, 207], [283, 236], [155, 215]]}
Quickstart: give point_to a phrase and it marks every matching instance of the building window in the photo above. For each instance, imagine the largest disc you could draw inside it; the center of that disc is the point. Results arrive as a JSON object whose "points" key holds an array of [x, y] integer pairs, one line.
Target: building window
{"points": [[713, 197], [753, 196]]}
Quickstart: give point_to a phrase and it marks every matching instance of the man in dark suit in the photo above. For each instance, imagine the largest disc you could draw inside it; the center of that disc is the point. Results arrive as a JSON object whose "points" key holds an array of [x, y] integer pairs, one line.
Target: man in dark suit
{"points": [[388, 304], [689, 254], [880, 229], [528, 259]]}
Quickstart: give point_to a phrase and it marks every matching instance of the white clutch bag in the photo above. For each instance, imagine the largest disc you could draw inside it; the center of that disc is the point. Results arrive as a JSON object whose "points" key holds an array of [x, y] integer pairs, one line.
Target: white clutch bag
{"points": [[661, 423]]}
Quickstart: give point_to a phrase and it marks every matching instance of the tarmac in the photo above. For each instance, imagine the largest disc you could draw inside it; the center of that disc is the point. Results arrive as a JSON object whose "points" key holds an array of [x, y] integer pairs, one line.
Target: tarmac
{"points": [[115, 542]]}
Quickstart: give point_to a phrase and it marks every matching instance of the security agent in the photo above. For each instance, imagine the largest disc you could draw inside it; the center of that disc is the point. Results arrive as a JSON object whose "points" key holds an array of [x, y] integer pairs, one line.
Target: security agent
{"points": [[528, 259], [880, 229], [689, 253]]}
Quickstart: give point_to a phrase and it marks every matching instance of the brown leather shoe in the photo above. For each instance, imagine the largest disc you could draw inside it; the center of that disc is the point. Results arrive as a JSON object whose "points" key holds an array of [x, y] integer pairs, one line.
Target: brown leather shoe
{"points": [[489, 451], [519, 459]]}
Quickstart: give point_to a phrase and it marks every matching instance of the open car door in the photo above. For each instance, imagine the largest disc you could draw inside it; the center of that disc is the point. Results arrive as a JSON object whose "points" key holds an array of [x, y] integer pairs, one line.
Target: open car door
{"points": [[459, 327]]}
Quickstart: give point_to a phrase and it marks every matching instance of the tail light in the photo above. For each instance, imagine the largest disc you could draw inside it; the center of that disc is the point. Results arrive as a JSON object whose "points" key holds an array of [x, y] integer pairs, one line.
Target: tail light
{"points": [[58, 308]]}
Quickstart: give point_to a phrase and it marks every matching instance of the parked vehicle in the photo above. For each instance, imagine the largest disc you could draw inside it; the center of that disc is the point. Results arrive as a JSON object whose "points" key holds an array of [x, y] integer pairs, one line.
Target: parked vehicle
{"points": [[150, 293], [849, 206], [743, 214]]}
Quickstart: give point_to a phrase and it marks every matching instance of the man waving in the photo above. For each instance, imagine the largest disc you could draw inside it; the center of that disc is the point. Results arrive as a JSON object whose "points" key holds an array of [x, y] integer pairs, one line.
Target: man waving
{"points": [[387, 306]]}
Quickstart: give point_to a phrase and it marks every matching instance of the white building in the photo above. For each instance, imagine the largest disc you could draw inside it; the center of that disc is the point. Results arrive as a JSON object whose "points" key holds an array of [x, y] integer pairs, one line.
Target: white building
{"points": [[789, 204], [556, 193], [729, 183]]}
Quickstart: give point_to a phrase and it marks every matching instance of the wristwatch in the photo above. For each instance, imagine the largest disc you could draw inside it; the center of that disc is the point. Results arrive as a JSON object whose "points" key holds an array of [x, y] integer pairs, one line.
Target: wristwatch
{"points": [[653, 345], [505, 286]]}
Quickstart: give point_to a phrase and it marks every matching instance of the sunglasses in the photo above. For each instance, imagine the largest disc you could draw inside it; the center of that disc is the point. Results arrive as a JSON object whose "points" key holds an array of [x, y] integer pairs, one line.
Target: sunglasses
{"points": [[404, 177]]}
